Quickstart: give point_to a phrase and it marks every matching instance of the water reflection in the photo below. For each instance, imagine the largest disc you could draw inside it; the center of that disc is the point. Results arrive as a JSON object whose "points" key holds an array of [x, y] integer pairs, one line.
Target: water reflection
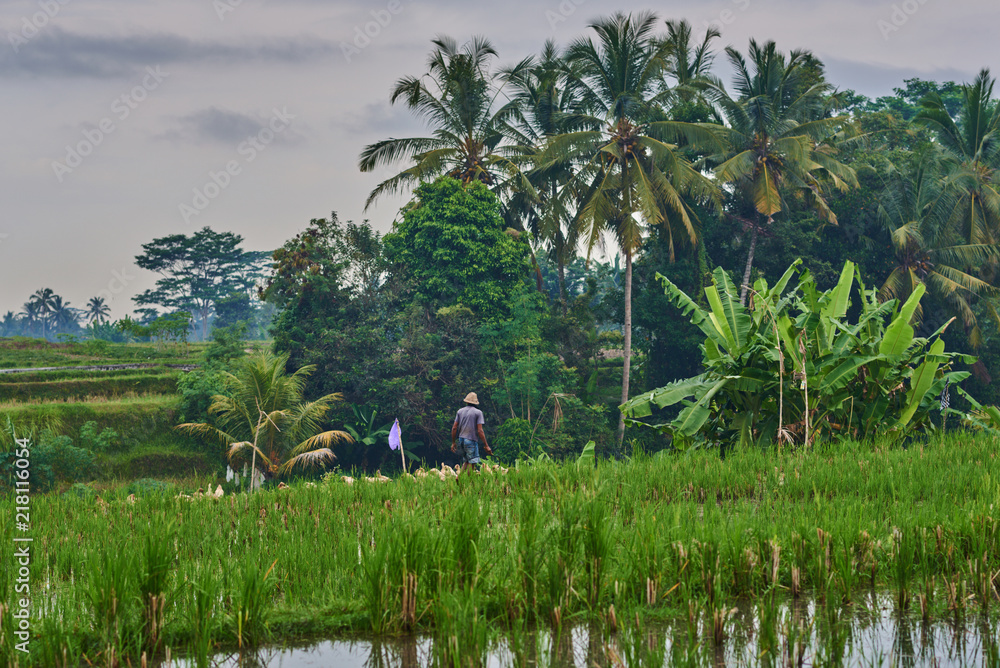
{"points": [[800, 633]]}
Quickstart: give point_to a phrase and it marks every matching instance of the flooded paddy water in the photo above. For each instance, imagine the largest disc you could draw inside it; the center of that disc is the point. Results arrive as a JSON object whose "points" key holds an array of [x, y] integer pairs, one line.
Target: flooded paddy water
{"points": [[871, 632]]}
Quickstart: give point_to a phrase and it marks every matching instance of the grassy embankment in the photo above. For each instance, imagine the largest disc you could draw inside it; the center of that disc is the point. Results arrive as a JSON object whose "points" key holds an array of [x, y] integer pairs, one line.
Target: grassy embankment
{"points": [[662, 537], [140, 405]]}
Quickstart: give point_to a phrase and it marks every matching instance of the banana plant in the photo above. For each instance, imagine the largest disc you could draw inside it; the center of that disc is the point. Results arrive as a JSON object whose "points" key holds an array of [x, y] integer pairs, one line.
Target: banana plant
{"points": [[790, 367]]}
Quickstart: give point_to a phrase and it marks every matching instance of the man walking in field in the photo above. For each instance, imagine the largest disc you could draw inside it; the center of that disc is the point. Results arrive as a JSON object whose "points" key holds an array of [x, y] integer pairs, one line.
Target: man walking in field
{"points": [[468, 433]]}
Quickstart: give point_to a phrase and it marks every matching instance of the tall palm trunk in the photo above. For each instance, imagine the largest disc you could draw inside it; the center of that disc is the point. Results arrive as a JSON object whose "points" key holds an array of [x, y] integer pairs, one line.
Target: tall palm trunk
{"points": [[746, 272], [628, 341]]}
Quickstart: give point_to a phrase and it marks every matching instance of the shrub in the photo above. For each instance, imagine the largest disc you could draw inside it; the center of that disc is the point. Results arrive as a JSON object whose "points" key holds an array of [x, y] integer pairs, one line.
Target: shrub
{"points": [[104, 441], [511, 441]]}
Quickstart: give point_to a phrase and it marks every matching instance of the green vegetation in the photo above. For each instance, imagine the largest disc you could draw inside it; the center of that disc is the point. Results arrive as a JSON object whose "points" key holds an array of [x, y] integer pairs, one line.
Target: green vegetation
{"points": [[794, 370], [661, 537], [261, 419]]}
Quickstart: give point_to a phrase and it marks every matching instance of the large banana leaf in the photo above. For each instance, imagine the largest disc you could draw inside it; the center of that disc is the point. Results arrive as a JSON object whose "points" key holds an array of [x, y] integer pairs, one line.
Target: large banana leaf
{"points": [[899, 335], [920, 383]]}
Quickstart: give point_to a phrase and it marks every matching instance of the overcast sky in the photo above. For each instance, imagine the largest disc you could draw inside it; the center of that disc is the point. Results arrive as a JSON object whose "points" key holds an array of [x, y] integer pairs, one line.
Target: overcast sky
{"points": [[117, 111]]}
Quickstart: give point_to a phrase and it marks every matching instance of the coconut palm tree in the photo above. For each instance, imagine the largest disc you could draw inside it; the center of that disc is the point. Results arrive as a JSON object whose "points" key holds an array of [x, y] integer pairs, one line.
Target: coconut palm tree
{"points": [[545, 108], [263, 419], [628, 171], [463, 104], [690, 64], [42, 299], [97, 310], [28, 316], [62, 316], [779, 133], [917, 207], [972, 145]]}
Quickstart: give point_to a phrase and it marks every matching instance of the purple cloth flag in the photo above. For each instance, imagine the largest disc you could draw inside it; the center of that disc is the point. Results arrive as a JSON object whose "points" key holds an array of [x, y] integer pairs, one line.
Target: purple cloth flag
{"points": [[395, 436]]}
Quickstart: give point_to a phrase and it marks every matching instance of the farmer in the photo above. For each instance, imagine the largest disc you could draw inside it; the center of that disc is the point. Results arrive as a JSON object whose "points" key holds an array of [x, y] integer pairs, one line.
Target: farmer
{"points": [[468, 433]]}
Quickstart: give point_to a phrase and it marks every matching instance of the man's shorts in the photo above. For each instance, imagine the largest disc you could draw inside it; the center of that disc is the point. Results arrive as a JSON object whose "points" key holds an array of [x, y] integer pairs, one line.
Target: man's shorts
{"points": [[468, 450]]}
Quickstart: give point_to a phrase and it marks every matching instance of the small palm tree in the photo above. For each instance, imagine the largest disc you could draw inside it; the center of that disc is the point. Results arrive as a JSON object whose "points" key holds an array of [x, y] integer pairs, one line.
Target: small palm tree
{"points": [[97, 310], [264, 419]]}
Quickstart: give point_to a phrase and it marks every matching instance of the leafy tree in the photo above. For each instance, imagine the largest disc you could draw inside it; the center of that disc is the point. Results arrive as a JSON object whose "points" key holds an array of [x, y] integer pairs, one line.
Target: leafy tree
{"points": [[198, 271], [906, 102], [779, 135], [263, 420], [452, 248]]}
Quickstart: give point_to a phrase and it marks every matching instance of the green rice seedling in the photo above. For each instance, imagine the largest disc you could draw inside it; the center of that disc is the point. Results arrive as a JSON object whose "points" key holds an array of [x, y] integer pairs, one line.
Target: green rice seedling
{"points": [[464, 526], [642, 647], [530, 551], [375, 586], [844, 566], [563, 554], [253, 604], [461, 631], [204, 599], [768, 649], [597, 541], [55, 643], [112, 598], [904, 558], [821, 574], [158, 562]]}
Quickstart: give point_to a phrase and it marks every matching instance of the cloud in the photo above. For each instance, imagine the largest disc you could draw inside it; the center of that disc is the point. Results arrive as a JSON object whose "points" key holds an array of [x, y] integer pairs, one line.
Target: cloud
{"points": [[221, 125], [58, 53]]}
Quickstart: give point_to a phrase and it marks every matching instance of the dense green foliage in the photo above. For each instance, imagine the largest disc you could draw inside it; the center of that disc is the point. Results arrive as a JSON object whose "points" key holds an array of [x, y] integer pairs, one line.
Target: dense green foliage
{"points": [[792, 368], [453, 247]]}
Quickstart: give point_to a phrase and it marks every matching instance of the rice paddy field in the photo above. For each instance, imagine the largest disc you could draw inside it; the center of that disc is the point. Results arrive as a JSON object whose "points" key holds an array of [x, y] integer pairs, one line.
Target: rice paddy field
{"points": [[765, 558], [130, 389]]}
